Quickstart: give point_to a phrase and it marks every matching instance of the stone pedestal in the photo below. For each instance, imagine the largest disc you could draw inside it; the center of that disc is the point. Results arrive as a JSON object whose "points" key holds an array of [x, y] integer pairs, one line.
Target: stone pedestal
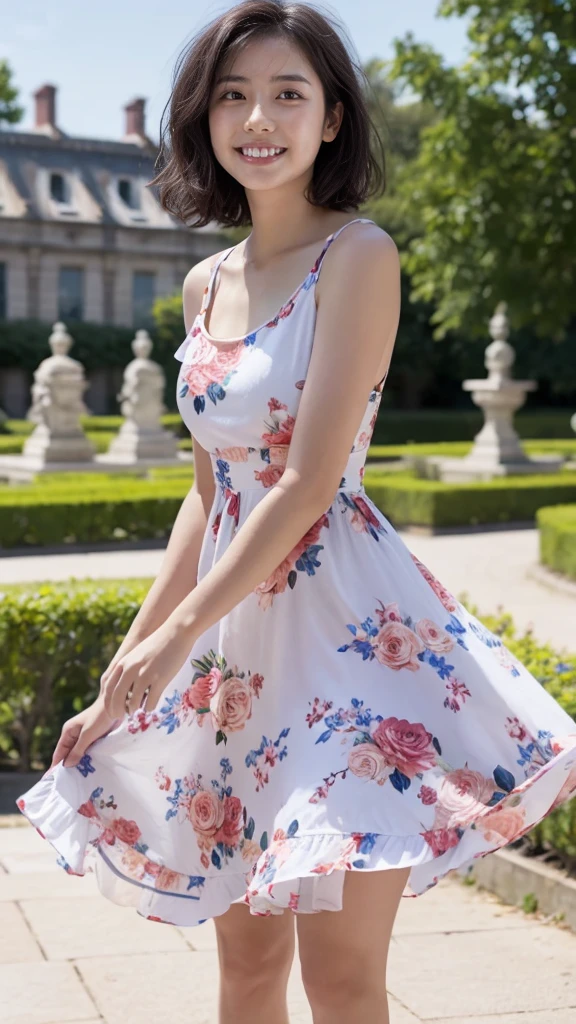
{"points": [[141, 435], [497, 450]]}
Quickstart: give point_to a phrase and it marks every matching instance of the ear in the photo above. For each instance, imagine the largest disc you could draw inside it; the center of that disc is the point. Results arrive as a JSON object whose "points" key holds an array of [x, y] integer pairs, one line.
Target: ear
{"points": [[333, 122]]}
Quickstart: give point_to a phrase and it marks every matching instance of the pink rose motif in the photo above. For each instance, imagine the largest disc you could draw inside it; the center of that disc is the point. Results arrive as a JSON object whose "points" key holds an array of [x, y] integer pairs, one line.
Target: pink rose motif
{"points": [[88, 810], [235, 454], [167, 879], [365, 509], [388, 612], [462, 795], [270, 475], [445, 597], [397, 647], [366, 761], [428, 795], [209, 365], [199, 693], [206, 814], [231, 706], [433, 636], [502, 824], [126, 831], [441, 839], [278, 580], [232, 825], [406, 745], [568, 789]]}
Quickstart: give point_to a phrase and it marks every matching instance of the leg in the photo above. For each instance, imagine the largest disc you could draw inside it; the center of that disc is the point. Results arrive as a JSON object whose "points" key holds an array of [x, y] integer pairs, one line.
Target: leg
{"points": [[255, 956], [344, 953]]}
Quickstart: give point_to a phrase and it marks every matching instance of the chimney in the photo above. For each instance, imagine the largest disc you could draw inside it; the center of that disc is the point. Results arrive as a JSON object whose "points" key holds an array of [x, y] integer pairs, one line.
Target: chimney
{"points": [[45, 122], [135, 118]]}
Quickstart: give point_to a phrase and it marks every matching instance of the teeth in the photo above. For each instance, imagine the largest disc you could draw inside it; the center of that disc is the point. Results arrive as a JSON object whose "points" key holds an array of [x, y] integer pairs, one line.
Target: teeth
{"points": [[250, 151]]}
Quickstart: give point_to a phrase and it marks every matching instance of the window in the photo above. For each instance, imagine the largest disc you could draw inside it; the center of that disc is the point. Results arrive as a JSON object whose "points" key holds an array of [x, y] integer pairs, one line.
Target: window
{"points": [[58, 188], [71, 294], [127, 193], [142, 298], [3, 291]]}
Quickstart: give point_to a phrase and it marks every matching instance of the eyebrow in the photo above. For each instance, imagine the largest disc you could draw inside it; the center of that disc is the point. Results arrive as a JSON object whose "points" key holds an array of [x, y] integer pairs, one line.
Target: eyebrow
{"points": [[273, 78]]}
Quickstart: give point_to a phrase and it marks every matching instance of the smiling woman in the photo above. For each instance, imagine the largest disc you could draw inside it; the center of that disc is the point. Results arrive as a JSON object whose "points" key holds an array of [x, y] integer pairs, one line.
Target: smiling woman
{"points": [[303, 724]]}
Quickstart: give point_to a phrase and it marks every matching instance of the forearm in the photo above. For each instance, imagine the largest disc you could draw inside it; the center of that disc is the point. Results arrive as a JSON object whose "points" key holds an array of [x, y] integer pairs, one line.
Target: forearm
{"points": [[270, 533], [177, 575]]}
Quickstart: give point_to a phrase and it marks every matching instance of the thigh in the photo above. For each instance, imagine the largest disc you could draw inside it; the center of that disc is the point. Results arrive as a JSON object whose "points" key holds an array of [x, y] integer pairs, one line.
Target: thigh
{"points": [[247, 942], [359, 934]]}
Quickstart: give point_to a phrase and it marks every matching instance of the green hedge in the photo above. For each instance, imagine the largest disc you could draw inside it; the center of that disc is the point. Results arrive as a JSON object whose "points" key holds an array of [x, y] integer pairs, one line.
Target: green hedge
{"points": [[88, 508], [557, 527], [56, 641]]}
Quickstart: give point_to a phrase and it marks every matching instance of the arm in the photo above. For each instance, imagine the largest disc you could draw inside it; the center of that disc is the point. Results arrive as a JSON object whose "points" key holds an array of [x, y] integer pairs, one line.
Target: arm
{"points": [[356, 326], [177, 575]]}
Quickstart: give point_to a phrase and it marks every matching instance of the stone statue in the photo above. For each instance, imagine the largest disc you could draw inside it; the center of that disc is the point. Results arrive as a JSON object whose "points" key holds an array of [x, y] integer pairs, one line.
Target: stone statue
{"points": [[57, 405], [141, 435]]}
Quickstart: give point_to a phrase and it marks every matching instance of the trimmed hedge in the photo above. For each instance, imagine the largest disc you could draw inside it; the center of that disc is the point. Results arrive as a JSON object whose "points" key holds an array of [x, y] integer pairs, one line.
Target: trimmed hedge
{"points": [[557, 528], [89, 508], [56, 641]]}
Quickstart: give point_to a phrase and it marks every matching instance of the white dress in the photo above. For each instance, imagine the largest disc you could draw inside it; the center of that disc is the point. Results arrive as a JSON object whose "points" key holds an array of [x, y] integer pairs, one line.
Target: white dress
{"points": [[348, 714]]}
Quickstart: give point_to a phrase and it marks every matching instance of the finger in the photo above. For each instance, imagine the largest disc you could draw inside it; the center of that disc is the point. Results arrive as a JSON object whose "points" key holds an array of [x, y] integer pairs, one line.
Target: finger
{"points": [[78, 750], [136, 696], [113, 706], [64, 746]]}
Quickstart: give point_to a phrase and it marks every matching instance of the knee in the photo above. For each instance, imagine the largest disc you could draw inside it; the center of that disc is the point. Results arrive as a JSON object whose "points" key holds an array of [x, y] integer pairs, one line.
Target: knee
{"points": [[245, 967], [346, 981]]}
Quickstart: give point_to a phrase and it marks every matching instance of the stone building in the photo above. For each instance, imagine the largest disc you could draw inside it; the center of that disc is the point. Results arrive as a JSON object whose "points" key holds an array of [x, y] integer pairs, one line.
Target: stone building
{"points": [[82, 237]]}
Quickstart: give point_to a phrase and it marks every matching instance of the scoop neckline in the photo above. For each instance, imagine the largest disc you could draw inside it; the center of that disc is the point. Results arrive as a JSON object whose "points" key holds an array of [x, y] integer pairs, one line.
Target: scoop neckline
{"points": [[227, 342]]}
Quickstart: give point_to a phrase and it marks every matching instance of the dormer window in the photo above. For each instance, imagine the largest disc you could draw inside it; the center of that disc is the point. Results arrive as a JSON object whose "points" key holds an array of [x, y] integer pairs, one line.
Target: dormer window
{"points": [[127, 193], [59, 189]]}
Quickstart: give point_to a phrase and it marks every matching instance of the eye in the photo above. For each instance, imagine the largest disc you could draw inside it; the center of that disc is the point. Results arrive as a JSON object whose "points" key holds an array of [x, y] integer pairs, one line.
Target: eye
{"points": [[231, 92], [293, 91]]}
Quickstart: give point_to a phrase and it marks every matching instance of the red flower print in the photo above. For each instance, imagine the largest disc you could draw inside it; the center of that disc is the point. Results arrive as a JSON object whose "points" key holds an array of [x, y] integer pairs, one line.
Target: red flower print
{"points": [[406, 745], [445, 597], [428, 795], [441, 839], [396, 646], [126, 831], [88, 810], [231, 828]]}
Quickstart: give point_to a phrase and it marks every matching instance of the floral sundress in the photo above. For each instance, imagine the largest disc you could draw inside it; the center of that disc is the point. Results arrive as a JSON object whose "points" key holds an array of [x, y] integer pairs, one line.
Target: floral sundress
{"points": [[349, 714]]}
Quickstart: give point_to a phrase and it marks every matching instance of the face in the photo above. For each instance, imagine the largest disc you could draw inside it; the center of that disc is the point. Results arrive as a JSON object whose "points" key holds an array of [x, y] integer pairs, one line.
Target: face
{"points": [[269, 97]]}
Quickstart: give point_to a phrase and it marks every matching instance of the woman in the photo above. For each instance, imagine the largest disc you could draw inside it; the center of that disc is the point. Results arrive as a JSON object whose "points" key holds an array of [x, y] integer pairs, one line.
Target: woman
{"points": [[301, 717]]}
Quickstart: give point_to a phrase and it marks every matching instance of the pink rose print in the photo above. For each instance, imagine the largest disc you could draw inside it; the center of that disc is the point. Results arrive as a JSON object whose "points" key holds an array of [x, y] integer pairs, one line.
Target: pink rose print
{"points": [[441, 839], [397, 646], [462, 795], [279, 579], [427, 795], [209, 365], [199, 694], [88, 810], [433, 636], [406, 745], [231, 705], [568, 789], [502, 824], [445, 597], [125, 831], [231, 829], [388, 612], [206, 814], [367, 761]]}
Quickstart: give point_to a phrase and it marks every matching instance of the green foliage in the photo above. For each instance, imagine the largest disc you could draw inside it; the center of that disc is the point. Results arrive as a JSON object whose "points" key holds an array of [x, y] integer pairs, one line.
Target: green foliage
{"points": [[494, 181], [10, 112], [55, 642], [557, 527]]}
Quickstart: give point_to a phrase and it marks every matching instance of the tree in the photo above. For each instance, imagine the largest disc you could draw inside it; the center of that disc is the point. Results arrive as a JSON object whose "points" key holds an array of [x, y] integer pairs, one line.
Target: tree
{"points": [[10, 113], [494, 182]]}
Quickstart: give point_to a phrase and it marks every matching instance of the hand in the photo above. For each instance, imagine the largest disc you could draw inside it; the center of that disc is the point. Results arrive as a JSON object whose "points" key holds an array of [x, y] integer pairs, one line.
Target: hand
{"points": [[128, 644], [80, 731], [145, 671]]}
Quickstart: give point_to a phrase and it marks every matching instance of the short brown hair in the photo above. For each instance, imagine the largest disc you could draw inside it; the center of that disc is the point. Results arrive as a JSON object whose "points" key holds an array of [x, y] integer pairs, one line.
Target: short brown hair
{"points": [[194, 187]]}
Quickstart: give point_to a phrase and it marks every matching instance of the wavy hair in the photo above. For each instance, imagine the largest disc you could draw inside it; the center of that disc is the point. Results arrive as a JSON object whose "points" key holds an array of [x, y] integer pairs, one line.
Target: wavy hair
{"points": [[194, 187]]}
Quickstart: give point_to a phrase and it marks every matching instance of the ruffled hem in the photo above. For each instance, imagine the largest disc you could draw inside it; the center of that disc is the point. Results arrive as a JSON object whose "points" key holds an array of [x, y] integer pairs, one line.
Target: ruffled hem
{"points": [[302, 873]]}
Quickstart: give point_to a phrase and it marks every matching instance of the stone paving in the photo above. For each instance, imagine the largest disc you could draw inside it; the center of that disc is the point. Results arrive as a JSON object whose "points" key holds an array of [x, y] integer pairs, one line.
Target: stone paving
{"points": [[69, 956]]}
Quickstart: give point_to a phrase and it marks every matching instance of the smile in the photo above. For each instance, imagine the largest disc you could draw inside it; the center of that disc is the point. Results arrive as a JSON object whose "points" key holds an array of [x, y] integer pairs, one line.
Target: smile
{"points": [[264, 155]]}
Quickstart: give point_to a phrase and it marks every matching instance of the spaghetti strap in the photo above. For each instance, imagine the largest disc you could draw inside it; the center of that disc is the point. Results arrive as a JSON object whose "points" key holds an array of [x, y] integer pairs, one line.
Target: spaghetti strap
{"points": [[331, 238], [210, 286]]}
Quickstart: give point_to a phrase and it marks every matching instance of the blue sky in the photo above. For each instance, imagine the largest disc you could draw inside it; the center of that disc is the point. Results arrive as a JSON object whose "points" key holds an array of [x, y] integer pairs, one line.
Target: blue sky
{"points": [[102, 55]]}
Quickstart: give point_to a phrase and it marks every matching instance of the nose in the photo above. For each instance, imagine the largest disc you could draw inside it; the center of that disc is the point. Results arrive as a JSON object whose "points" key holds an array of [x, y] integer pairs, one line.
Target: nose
{"points": [[258, 120]]}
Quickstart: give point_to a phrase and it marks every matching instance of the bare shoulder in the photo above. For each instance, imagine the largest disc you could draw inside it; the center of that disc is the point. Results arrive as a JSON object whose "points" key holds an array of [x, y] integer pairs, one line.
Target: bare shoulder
{"points": [[362, 250], [194, 284]]}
